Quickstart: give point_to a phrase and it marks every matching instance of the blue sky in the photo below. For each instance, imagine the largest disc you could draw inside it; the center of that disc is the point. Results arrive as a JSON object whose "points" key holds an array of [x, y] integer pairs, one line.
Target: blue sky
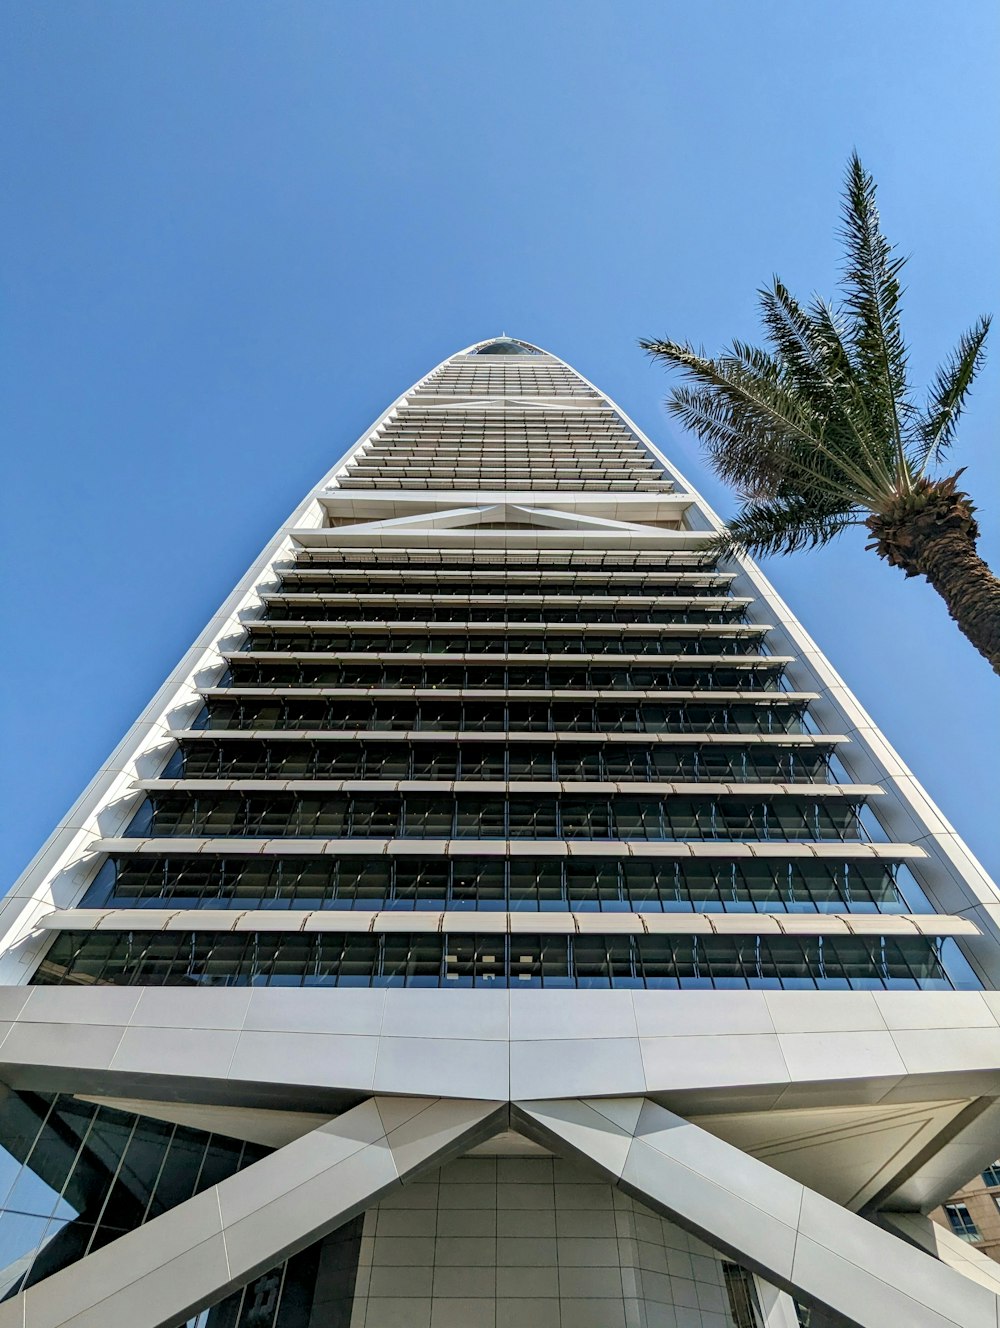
{"points": [[231, 233]]}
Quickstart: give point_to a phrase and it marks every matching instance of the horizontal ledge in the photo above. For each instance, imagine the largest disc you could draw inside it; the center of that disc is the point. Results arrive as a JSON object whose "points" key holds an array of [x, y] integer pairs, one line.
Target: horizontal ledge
{"points": [[510, 572], [554, 788], [483, 496], [493, 538], [720, 850], [457, 659], [541, 737], [563, 501], [566, 694], [501, 922], [714, 602], [475, 627]]}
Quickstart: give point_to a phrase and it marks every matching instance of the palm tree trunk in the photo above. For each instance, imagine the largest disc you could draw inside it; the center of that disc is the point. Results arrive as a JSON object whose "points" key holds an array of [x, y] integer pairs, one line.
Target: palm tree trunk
{"points": [[945, 553]]}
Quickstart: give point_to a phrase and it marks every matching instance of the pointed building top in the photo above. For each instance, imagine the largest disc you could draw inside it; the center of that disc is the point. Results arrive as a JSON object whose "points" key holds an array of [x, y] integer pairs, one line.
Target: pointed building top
{"points": [[504, 345]]}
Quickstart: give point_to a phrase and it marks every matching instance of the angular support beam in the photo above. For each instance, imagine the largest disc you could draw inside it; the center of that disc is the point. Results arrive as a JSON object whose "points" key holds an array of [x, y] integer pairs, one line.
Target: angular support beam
{"points": [[160, 1274], [795, 1238], [941, 1244]]}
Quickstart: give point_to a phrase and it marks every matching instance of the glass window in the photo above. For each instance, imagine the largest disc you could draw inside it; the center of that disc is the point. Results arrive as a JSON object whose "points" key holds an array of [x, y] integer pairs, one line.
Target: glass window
{"points": [[429, 761], [591, 964], [650, 886], [294, 760], [363, 883], [666, 961], [351, 961], [325, 817], [991, 1176], [624, 762], [395, 715], [420, 883], [585, 818], [481, 818], [578, 762], [536, 884], [308, 883], [637, 819], [594, 885], [86, 1174], [478, 717], [377, 817], [741, 1291], [482, 762], [961, 1221], [141, 823], [386, 761], [687, 819], [477, 883], [533, 820], [532, 762]]}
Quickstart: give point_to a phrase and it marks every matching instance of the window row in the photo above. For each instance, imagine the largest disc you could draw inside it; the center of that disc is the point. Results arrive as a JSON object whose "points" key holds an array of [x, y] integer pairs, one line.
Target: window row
{"points": [[460, 425], [467, 421], [530, 448], [423, 816], [463, 427], [574, 485], [541, 461], [501, 562], [528, 442], [74, 1176], [495, 613], [429, 959], [761, 675], [334, 581], [538, 643], [609, 885], [269, 759], [499, 716]]}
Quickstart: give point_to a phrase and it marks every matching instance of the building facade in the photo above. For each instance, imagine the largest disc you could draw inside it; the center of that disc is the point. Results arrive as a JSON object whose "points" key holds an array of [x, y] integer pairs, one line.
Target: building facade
{"points": [[973, 1212], [503, 916]]}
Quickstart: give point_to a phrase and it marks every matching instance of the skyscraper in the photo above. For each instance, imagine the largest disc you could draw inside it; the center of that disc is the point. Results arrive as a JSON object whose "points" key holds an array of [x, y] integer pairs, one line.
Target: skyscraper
{"points": [[503, 916]]}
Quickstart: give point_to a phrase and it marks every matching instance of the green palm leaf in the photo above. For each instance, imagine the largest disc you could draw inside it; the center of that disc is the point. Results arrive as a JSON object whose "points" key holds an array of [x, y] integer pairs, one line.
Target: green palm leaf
{"points": [[936, 425], [782, 526], [872, 301]]}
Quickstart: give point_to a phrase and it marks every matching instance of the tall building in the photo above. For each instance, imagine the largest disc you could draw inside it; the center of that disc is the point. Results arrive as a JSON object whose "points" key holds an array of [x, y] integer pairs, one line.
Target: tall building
{"points": [[503, 917]]}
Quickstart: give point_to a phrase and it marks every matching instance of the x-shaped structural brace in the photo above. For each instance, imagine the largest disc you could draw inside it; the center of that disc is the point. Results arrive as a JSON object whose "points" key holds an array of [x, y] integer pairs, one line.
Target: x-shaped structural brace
{"points": [[160, 1274]]}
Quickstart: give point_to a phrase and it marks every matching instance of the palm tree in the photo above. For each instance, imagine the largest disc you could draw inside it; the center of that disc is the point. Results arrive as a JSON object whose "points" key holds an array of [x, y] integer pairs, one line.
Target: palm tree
{"points": [[822, 431]]}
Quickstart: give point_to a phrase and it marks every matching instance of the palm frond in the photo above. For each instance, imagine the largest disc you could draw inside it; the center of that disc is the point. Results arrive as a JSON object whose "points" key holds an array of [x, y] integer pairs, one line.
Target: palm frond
{"points": [[935, 429], [872, 301], [782, 526], [747, 391], [811, 347], [802, 352]]}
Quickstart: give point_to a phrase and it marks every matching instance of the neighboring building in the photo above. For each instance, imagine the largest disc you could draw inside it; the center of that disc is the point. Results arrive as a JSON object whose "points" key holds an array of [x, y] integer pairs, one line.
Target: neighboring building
{"points": [[973, 1212], [504, 916]]}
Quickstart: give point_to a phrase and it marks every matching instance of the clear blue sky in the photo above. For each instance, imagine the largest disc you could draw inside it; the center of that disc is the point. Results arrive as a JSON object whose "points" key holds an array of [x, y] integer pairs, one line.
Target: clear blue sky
{"points": [[233, 232]]}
